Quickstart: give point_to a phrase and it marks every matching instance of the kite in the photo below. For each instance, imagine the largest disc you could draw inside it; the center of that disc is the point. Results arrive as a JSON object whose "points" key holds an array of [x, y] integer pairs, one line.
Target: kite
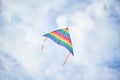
{"points": [[61, 37]]}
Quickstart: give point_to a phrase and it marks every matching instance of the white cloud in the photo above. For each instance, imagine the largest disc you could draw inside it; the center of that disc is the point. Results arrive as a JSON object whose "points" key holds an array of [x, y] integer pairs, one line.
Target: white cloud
{"points": [[92, 33], [83, 21], [93, 39], [22, 39], [62, 21], [97, 9]]}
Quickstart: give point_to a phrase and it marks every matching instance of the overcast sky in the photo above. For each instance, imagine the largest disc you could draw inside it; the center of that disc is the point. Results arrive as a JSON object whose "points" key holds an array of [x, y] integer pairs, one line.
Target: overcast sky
{"points": [[94, 27]]}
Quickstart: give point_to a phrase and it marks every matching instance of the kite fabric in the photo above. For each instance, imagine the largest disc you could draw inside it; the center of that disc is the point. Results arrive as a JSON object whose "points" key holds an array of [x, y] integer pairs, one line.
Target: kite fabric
{"points": [[61, 37]]}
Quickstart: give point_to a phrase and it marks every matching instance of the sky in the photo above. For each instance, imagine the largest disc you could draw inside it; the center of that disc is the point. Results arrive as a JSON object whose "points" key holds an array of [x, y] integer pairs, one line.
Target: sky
{"points": [[94, 27]]}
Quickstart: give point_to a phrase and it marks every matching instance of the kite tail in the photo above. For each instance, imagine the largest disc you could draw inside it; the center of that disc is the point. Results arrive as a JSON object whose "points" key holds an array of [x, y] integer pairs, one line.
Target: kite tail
{"points": [[66, 59], [43, 44]]}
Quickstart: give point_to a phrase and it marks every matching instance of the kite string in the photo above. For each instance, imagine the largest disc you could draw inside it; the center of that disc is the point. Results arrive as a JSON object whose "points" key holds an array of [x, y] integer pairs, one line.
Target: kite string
{"points": [[66, 58], [43, 44]]}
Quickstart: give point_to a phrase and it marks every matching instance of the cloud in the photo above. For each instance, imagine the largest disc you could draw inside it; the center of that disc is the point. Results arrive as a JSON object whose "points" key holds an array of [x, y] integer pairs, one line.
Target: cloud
{"points": [[93, 31], [94, 38], [22, 29], [62, 21], [10, 69]]}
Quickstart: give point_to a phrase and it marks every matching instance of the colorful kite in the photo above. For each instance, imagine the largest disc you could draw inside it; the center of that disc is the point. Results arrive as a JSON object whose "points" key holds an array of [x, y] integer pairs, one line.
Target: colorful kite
{"points": [[61, 37]]}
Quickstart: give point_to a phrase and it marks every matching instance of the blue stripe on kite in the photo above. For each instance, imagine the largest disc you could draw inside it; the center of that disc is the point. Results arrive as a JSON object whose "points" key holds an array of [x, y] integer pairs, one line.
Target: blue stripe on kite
{"points": [[64, 33], [52, 37], [67, 47]]}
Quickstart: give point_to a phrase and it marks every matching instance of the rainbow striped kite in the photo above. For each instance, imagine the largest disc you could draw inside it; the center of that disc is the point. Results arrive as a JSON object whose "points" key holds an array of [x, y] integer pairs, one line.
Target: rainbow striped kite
{"points": [[61, 37]]}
